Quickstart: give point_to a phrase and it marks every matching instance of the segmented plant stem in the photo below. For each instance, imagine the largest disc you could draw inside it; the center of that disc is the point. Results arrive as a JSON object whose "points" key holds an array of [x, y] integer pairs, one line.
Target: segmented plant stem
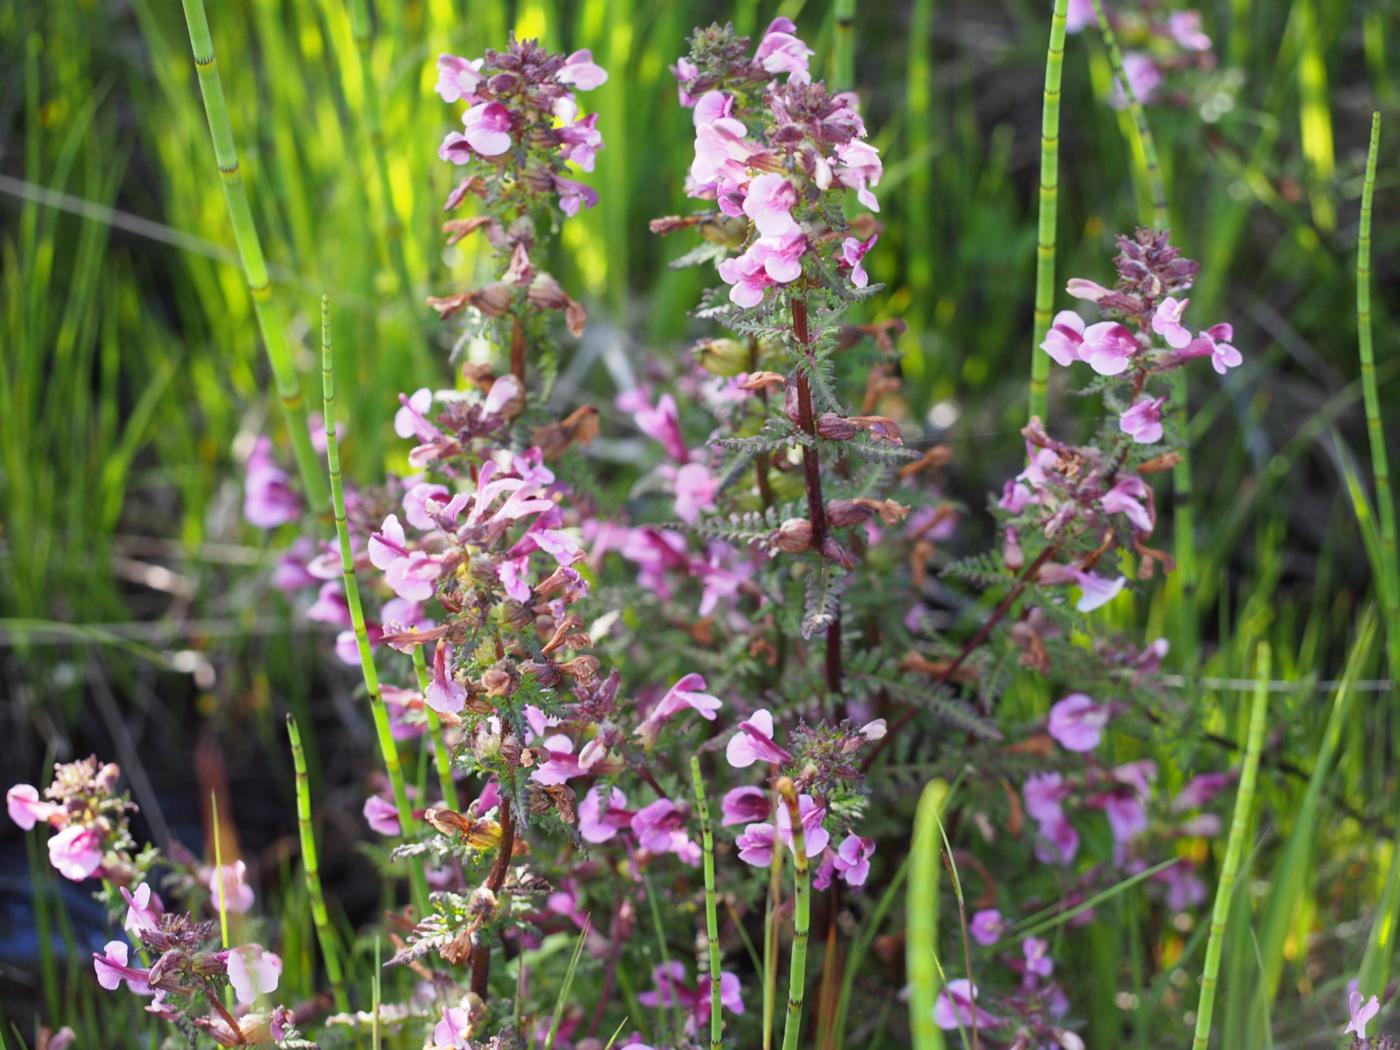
{"points": [[387, 747], [801, 915], [271, 324], [311, 865], [1234, 849], [1049, 198], [843, 51], [707, 839], [442, 757], [1156, 189], [1380, 461]]}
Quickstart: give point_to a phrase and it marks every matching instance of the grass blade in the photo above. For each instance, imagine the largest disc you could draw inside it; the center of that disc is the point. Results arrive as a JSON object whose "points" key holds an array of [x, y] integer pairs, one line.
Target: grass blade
{"points": [[921, 946]]}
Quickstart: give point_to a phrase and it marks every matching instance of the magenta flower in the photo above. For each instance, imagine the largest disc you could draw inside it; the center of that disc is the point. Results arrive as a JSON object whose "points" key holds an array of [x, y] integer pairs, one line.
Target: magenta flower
{"points": [[382, 816], [853, 251], [1132, 498], [722, 153], [25, 808], [1185, 29], [859, 169], [957, 1007], [1077, 723], [1166, 322], [253, 971], [660, 828], [769, 204], [574, 195], [330, 606], [661, 423], [1063, 340], [1361, 1013], [268, 498], [815, 837], [411, 574], [582, 72], [852, 859], [76, 852], [112, 969], [237, 894], [1095, 590], [695, 490], [1037, 956], [743, 805], [454, 1029], [580, 141], [597, 823], [768, 261], [754, 742], [411, 420], [444, 694], [143, 910], [1143, 421], [780, 51], [562, 764], [1079, 14], [1044, 794], [1184, 889], [422, 502], [487, 127], [458, 78], [1215, 343], [755, 844], [1108, 348], [987, 926], [712, 106], [672, 991], [687, 692]]}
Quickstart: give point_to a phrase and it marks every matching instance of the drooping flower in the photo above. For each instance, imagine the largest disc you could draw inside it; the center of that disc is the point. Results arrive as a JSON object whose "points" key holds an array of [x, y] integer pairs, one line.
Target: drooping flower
{"points": [[111, 967], [1143, 421], [853, 251], [957, 1007], [1095, 590], [76, 851], [253, 971], [444, 694], [1131, 497], [754, 742], [1077, 723]]}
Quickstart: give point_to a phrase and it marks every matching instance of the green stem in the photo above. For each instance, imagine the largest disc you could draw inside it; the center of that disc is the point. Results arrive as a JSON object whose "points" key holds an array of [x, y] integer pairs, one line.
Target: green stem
{"points": [[1389, 584], [1146, 143], [270, 321], [387, 747], [920, 251], [311, 865], [1049, 195], [921, 940], [843, 51], [1234, 849], [801, 915], [707, 839], [442, 757]]}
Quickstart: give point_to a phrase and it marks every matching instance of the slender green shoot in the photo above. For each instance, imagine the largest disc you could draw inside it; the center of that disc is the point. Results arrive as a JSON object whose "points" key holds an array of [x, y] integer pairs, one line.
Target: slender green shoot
{"points": [[375, 997], [219, 868], [270, 320], [843, 50], [617, 1034], [921, 937], [567, 984], [801, 916], [442, 757], [1234, 849], [707, 838], [660, 930], [311, 865], [387, 747], [918, 137], [1389, 583], [1049, 200], [1152, 171]]}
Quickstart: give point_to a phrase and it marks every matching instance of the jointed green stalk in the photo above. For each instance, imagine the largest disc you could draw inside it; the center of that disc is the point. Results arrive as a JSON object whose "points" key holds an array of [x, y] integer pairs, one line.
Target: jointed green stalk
{"points": [[442, 757], [1380, 461], [707, 839], [801, 915], [1049, 195], [1234, 849], [387, 747], [269, 315], [1184, 518], [311, 865]]}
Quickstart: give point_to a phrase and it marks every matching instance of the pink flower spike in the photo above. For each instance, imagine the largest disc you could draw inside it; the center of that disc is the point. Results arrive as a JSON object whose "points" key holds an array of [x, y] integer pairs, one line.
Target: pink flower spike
{"points": [[76, 852], [1077, 723], [458, 78], [381, 816], [487, 127], [112, 969], [1108, 348], [444, 694], [1143, 421], [853, 251], [1166, 322], [25, 808], [1096, 590], [754, 742], [253, 971], [957, 1007], [769, 204], [454, 1028], [1362, 1010], [582, 72], [1063, 340]]}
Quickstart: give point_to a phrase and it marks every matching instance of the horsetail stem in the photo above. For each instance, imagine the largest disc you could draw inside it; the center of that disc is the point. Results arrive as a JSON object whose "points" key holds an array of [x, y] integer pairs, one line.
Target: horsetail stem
{"points": [[1184, 516], [382, 731], [311, 865], [801, 915], [442, 757], [707, 839], [1049, 196], [271, 324], [1234, 849], [1380, 460], [921, 941]]}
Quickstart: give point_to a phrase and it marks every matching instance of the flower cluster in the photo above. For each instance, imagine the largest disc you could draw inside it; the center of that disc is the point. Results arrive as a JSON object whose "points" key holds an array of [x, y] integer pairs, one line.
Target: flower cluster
{"points": [[90, 818]]}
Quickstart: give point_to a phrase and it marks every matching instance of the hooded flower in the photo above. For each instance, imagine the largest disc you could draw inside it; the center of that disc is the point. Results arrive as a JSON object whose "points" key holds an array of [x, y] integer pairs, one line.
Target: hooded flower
{"points": [[268, 497], [1077, 723], [582, 72], [76, 852], [237, 894], [112, 969], [957, 1007], [253, 971], [1143, 421], [754, 742]]}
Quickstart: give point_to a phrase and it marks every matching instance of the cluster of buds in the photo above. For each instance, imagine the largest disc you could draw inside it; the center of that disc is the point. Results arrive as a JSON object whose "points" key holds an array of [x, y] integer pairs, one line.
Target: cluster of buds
{"points": [[89, 817]]}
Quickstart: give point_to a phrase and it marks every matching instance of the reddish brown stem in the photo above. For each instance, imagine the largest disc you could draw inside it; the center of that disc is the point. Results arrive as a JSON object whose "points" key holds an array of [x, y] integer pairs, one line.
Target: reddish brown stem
{"points": [[228, 1018], [481, 954]]}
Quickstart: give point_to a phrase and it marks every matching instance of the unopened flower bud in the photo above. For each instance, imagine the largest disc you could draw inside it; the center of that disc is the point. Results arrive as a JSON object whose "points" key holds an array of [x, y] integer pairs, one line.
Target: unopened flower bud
{"points": [[501, 679], [516, 615], [843, 512], [836, 428], [511, 748], [545, 672], [762, 381], [1011, 554], [793, 536]]}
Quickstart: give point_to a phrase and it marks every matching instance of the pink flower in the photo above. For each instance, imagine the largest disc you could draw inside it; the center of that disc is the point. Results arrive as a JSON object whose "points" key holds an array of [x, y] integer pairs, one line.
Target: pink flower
{"points": [[1200, 790], [1215, 342], [1361, 1013], [853, 859], [444, 693], [268, 498], [957, 1007], [422, 502], [661, 422], [722, 153], [688, 692], [1185, 29], [1095, 590], [143, 910], [1079, 14], [780, 51], [769, 204], [1166, 322], [743, 805], [1184, 889], [1132, 498], [695, 490], [237, 895], [112, 969], [581, 141], [487, 127], [76, 851], [1037, 956], [859, 169], [767, 262], [987, 926], [712, 106], [1143, 77], [411, 420], [574, 195], [25, 808], [582, 72], [755, 844], [1089, 291], [1107, 347], [454, 1028], [382, 816], [253, 971], [1063, 340], [597, 823], [1058, 841], [1143, 421], [458, 78], [852, 252], [754, 742], [1077, 723], [815, 837], [672, 991], [411, 574], [660, 828]]}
